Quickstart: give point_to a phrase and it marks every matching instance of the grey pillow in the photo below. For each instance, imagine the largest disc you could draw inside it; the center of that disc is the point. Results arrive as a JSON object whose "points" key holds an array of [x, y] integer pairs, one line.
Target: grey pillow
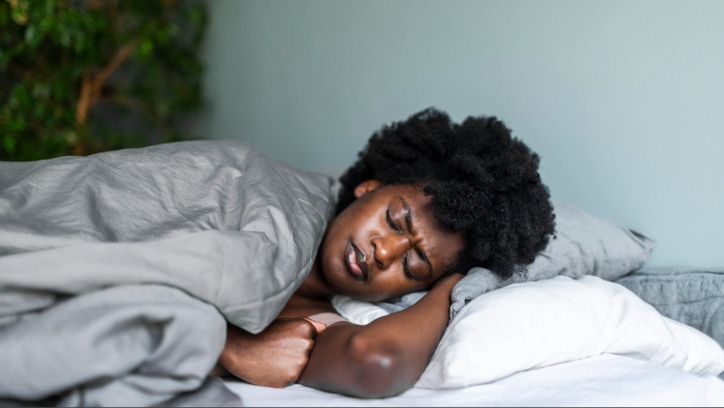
{"points": [[587, 245], [582, 245]]}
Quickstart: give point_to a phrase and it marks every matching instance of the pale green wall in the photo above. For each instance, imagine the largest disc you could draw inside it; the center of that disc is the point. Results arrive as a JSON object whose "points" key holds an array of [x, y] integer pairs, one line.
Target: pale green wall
{"points": [[623, 100]]}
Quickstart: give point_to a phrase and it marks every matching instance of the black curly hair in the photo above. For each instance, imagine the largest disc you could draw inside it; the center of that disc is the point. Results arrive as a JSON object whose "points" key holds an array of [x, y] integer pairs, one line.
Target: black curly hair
{"points": [[484, 184]]}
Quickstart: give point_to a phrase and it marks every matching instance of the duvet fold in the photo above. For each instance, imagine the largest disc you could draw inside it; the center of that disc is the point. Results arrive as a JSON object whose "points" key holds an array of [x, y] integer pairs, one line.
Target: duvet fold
{"points": [[127, 345], [119, 271]]}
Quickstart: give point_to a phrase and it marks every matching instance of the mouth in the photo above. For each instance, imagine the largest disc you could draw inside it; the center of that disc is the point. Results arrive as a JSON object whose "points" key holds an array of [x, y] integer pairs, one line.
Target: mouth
{"points": [[355, 261]]}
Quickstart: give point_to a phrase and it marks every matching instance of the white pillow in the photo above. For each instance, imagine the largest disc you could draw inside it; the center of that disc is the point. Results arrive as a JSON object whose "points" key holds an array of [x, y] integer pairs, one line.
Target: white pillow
{"points": [[541, 323]]}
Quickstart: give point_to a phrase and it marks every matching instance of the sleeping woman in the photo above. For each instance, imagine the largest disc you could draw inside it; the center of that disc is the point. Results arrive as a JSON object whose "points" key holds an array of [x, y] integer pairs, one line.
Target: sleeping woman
{"points": [[427, 200]]}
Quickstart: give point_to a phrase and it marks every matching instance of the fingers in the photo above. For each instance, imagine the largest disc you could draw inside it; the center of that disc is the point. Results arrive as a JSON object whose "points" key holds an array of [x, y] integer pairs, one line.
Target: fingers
{"points": [[310, 329], [276, 357], [300, 325], [292, 357], [298, 336]]}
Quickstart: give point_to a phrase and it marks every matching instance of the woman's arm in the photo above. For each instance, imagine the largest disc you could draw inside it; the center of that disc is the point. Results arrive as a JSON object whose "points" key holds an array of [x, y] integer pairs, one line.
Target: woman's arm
{"points": [[385, 357]]}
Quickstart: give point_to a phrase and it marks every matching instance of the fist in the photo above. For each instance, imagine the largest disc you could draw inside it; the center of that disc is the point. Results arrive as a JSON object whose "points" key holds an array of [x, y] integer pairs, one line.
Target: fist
{"points": [[275, 357]]}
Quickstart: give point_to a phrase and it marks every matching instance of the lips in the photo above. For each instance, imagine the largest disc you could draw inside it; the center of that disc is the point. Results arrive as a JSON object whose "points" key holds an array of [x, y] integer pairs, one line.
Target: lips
{"points": [[355, 261]]}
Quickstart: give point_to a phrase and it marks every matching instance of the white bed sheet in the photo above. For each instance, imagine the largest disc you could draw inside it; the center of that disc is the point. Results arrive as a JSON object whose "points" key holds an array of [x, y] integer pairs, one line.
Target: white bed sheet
{"points": [[608, 380]]}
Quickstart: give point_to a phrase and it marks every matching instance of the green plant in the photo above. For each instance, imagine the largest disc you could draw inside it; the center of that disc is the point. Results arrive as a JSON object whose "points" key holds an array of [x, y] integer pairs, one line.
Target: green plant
{"points": [[79, 77]]}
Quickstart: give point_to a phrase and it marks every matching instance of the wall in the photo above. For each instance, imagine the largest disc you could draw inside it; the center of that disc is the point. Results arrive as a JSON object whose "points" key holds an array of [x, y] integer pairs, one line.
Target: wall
{"points": [[623, 100]]}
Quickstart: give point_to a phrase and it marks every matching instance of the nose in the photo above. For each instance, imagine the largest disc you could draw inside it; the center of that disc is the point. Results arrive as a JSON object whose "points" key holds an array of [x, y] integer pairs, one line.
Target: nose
{"points": [[387, 249]]}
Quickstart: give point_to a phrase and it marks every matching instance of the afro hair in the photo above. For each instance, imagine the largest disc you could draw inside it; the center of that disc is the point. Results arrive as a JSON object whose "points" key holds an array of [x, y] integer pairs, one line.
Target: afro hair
{"points": [[484, 184]]}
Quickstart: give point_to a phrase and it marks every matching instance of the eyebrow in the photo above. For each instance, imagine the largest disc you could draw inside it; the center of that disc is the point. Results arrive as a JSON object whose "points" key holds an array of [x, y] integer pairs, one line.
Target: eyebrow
{"points": [[410, 227]]}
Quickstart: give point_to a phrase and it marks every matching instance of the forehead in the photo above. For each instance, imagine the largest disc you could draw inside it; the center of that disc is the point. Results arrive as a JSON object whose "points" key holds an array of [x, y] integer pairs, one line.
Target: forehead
{"points": [[441, 246]]}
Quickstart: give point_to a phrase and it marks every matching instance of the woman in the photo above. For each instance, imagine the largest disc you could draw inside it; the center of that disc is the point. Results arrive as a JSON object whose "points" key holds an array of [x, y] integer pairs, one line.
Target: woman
{"points": [[427, 200]]}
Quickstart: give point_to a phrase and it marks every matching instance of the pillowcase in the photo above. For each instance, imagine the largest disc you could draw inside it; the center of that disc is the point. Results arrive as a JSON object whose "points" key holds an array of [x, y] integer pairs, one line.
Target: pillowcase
{"points": [[587, 245], [538, 324], [582, 245]]}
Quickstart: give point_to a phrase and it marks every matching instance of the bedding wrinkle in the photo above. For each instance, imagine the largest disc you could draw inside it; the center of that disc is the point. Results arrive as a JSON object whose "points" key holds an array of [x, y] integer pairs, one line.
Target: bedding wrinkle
{"points": [[20, 304], [606, 380], [226, 194], [96, 218], [692, 296], [215, 225], [277, 285], [113, 330]]}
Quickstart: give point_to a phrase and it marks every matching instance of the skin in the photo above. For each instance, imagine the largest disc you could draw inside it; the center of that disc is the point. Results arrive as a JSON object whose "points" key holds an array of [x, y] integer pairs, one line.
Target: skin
{"points": [[385, 244]]}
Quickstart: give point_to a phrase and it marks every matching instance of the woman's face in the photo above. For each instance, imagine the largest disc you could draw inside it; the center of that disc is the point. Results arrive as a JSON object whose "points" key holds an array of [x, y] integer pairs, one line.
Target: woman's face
{"points": [[386, 243]]}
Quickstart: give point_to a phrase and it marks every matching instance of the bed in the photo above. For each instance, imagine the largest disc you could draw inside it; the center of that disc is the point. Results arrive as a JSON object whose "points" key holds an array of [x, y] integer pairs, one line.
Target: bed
{"points": [[612, 348], [605, 380], [119, 272]]}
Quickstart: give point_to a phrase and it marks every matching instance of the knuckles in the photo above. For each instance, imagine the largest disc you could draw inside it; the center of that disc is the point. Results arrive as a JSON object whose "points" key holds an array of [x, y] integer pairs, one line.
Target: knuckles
{"points": [[293, 341]]}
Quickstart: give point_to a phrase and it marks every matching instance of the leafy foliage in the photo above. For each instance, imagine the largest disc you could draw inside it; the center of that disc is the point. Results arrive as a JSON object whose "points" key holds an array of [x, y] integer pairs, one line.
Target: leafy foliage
{"points": [[79, 77]]}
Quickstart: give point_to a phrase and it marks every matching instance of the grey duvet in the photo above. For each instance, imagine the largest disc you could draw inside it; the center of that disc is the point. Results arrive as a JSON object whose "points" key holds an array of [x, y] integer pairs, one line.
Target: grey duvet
{"points": [[119, 271]]}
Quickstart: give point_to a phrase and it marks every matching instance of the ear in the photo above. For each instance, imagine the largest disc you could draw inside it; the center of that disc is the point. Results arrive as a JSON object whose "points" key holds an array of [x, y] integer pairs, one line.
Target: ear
{"points": [[366, 187]]}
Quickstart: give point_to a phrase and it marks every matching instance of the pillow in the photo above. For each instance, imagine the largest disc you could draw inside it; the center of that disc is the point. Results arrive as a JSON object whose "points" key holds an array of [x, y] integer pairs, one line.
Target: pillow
{"points": [[587, 245], [537, 324], [582, 245]]}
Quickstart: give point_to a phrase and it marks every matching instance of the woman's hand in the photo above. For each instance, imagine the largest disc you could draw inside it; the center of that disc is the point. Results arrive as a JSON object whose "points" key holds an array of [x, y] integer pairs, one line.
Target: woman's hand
{"points": [[275, 357]]}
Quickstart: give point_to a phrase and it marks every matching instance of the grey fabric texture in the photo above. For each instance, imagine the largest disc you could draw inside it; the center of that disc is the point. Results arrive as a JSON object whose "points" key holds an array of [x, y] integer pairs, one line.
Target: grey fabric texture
{"points": [[217, 227], [116, 342], [692, 296], [582, 245]]}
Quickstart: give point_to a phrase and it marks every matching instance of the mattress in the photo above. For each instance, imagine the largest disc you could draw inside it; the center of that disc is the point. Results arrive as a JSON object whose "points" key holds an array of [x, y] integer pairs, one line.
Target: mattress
{"points": [[604, 380]]}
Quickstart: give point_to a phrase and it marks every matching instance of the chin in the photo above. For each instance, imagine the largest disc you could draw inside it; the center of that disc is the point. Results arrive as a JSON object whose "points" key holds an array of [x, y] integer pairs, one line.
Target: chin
{"points": [[335, 274], [341, 283]]}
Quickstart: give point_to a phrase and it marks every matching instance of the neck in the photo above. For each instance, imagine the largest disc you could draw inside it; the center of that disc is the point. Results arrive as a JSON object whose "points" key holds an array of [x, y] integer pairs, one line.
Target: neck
{"points": [[314, 285]]}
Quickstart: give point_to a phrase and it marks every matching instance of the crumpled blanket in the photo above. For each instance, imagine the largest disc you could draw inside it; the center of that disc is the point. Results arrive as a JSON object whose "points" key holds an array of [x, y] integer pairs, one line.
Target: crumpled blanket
{"points": [[118, 271], [693, 296], [130, 345]]}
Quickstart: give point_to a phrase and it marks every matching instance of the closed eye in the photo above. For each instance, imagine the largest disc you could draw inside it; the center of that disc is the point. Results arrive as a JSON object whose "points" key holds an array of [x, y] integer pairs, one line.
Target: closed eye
{"points": [[392, 223], [406, 268]]}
